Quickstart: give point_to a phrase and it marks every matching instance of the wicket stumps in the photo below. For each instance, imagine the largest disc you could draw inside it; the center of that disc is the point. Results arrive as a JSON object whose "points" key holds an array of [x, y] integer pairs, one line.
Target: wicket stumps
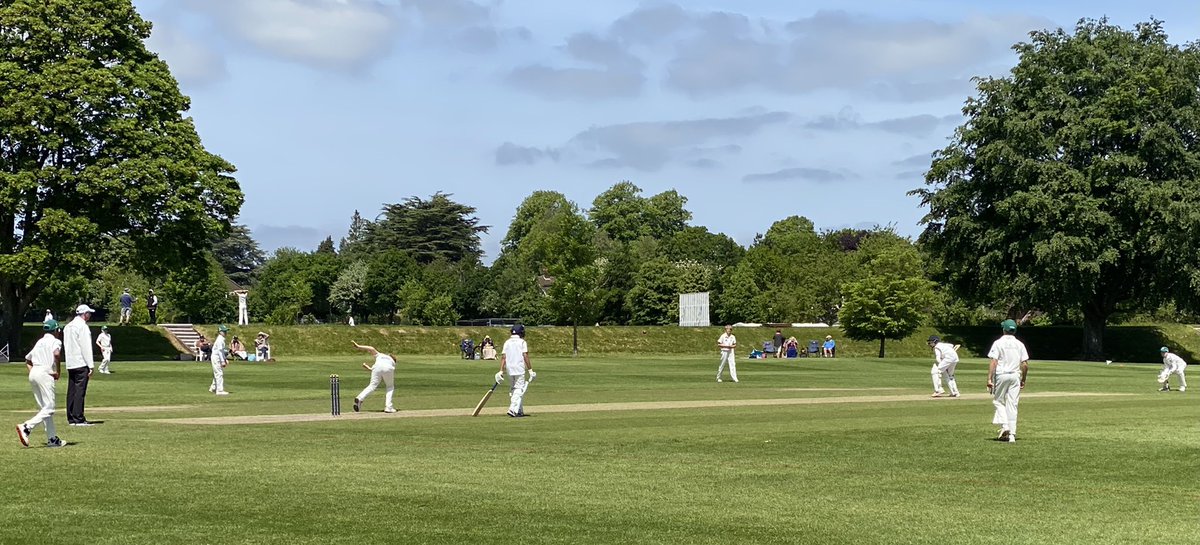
{"points": [[335, 395]]}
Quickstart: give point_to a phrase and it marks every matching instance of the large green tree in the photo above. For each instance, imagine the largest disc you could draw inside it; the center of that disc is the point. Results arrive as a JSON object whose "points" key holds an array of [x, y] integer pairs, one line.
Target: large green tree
{"points": [[239, 255], [437, 228], [625, 215], [94, 144], [1074, 182], [891, 301]]}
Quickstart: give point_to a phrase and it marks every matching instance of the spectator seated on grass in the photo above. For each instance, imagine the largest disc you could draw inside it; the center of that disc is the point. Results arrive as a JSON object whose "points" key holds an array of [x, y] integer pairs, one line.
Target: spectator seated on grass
{"points": [[487, 348], [814, 349], [769, 347], [791, 348], [237, 349], [757, 355], [262, 347], [467, 348]]}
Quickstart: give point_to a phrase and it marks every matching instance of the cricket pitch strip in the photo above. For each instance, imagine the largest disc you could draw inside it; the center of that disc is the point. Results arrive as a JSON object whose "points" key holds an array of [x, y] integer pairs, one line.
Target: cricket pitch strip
{"points": [[601, 407]]}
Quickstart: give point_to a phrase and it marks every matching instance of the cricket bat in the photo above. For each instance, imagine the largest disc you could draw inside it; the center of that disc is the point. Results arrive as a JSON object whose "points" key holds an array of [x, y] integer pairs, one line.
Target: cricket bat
{"points": [[956, 347], [485, 399]]}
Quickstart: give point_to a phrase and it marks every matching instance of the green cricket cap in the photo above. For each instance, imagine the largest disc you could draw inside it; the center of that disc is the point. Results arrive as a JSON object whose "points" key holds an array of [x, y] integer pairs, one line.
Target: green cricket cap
{"points": [[223, 329], [1008, 325], [1164, 349], [50, 325]]}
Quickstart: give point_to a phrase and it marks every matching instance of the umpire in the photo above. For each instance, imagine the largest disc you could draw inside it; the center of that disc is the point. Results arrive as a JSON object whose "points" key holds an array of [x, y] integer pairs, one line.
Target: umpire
{"points": [[77, 344]]}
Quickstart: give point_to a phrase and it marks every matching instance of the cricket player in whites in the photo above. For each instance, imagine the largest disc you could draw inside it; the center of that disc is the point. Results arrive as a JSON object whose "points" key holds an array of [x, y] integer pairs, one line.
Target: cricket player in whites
{"points": [[104, 341], [727, 343], [383, 370], [1008, 366], [945, 359], [1172, 365], [514, 362], [44, 368], [220, 360]]}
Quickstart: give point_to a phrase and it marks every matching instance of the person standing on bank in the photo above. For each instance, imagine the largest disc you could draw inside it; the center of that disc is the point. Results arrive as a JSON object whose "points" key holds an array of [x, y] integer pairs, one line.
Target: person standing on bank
{"points": [[1008, 365], [104, 342], [778, 342], [126, 307], [77, 345], [44, 368], [152, 306]]}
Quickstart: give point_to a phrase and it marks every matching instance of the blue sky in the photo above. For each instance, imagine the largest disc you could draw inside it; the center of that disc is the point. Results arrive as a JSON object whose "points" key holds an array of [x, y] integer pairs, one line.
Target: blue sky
{"points": [[755, 110]]}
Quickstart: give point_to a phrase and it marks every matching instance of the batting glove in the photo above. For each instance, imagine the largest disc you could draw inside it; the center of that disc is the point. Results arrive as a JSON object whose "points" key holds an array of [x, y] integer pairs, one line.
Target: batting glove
{"points": [[499, 376], [532, 375]]}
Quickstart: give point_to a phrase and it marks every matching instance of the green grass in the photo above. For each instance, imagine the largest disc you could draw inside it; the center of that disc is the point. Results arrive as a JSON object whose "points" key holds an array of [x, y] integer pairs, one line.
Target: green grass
{"points": [[1086, 470]]}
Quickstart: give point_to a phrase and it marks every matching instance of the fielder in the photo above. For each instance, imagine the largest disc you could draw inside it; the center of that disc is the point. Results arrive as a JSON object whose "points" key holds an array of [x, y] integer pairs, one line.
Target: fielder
{"points": [[727, 343], [44, 368], [104, 341], [1007, 368], [220, 360], [515, 362], [384, 370], [945, 359], [1172, 365]]}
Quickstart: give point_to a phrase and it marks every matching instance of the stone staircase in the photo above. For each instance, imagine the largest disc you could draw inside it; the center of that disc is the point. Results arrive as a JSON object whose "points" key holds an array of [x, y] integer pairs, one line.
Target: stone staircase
{"points": [[183, 335]]}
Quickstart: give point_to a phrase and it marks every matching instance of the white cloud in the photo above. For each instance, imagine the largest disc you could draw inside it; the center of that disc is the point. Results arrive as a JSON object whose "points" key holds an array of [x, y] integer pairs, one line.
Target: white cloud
{"points": [[192, 61], [345, 35]]}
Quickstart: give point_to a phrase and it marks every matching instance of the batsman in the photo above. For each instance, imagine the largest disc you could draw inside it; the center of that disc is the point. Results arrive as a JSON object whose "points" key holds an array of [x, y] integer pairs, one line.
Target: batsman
{"points": [[515, 362]]}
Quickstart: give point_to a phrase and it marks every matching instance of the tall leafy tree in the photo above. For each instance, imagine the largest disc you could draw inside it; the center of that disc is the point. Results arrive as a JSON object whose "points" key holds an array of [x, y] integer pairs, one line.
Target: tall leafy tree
{"points": [[352, 242], [94, 144], [239, 255], [623, 214], [348, 292], [437, 228], [1075, 181], [891, 301]]}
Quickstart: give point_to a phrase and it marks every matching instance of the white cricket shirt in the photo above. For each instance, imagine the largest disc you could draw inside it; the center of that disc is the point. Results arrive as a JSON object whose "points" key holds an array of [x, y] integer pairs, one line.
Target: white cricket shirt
{"points": [[77, 344], [104, 340], [383, 361], [1008, 353], [1171, 361], [515, 349], [218, 350], [944, 353], [43, 353], [727, 339]]}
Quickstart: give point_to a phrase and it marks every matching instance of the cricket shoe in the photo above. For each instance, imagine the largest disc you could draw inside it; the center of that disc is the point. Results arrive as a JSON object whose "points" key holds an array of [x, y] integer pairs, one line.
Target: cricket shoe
{"points": [[718, 380], [936, 394], [954, 395], [23, 434], [512, 414], [735, 380], [1165, 389], [1004, 435], [357, 405], [1012, 438], [55, 442], [222, 393], [212, 389], [389, 410], [1183, 388]]}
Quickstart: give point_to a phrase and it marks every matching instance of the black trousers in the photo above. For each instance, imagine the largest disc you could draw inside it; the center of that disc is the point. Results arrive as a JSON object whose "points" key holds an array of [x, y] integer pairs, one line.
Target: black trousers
{"points": [[153, 316], [76, 392]]}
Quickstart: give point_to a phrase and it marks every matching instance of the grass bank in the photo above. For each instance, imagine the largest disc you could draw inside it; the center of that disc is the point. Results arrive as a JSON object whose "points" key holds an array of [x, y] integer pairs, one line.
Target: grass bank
{"points": [[1124, 343]]}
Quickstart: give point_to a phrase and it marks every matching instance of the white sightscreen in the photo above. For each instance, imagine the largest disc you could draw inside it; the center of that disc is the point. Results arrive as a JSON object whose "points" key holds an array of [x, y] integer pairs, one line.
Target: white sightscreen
{"points": [[693, 309]]}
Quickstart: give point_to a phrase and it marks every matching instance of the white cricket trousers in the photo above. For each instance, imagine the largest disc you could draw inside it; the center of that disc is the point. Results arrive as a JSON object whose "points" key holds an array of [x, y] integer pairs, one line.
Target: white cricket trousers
{"points": [[516, 393], [728, 357], [946, 369], [42, 385], [1006, 394], [243, 316], [1177, 370], [386, 374], [218, 383], [106, 355]]}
